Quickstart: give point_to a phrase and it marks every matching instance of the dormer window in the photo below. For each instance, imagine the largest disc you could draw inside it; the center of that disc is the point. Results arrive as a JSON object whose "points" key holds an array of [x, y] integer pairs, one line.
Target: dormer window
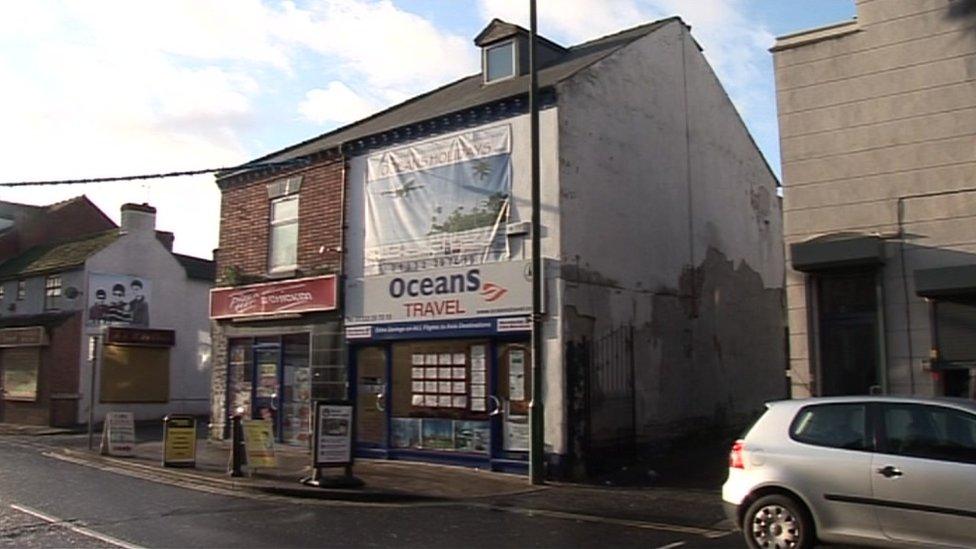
{"points": [[499, 61]]}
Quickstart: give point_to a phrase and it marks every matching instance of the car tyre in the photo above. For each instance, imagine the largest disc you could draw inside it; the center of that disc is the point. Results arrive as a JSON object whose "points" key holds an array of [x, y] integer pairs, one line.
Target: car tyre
{"points": [[778, 521]]}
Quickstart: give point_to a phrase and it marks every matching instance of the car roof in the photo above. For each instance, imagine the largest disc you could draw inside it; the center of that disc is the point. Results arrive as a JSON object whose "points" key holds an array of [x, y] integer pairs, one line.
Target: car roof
{"points": [[960, 403]]}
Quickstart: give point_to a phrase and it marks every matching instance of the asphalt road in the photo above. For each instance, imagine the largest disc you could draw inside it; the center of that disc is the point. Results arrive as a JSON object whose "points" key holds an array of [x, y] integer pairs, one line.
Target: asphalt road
{"points": [[45, 502]]}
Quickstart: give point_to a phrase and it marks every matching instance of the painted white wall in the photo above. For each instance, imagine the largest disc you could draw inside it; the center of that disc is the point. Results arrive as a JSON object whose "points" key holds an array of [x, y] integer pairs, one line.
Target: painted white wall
{"points": [[176, 303], [554, 382], [658, 176]]}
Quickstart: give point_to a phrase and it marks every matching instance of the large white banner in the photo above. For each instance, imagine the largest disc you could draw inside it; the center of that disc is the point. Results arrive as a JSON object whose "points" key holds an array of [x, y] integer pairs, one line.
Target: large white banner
{"points": [[439, 203], [118, 300], [490, 290]]}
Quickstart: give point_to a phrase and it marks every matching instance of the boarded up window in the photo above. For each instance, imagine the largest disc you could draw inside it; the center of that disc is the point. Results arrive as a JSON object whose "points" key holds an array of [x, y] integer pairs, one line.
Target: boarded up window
{"points": [[955, 328], [20, 370], [134, 374]]}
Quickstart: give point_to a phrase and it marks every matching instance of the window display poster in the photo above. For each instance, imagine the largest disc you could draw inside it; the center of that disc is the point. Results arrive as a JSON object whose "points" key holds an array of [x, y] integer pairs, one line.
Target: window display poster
{"points": [[334, 432], [516, 433], [267, 380], [458, 373], [478, 377], [405, 432], [477, 405], [417, 359], [516, 375], [444, 359], [459, 401], [437, 434], [417, 400], [431, 359], [478, 391], [458, 359], [444, 401], [471, 436]]}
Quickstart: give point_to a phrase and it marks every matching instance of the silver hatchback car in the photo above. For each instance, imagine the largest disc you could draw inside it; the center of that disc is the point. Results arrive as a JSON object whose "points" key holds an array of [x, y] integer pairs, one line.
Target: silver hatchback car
{"points": [[872, 470]]}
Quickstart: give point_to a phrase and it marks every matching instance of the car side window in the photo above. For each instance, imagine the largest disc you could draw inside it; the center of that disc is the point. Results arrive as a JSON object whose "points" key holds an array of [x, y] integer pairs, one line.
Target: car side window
{"points": [[930, 432], [832, 425]]}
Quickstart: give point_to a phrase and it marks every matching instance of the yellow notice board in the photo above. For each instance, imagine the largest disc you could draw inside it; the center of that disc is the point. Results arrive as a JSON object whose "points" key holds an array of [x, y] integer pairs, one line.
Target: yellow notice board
{"points": [[259, 444], [179, 441]]}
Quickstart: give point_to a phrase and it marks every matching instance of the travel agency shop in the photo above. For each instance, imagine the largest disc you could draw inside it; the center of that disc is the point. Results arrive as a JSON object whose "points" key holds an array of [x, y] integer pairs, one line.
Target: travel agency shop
{"points": [[438, 298]]}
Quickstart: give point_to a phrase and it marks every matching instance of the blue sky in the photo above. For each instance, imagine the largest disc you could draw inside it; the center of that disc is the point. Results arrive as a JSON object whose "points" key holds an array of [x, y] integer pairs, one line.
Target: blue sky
{"points": [[114, 87]]}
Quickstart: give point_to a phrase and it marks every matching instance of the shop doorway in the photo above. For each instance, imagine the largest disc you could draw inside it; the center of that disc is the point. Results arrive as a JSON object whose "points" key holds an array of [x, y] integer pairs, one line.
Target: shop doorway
{"points": [[513, 393], [269, 378], [371, 400]]}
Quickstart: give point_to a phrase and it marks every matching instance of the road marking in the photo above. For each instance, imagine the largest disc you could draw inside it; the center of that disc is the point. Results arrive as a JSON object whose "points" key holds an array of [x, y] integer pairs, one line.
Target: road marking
{"points": [[646, 525], [672, 545], [77, 529]]}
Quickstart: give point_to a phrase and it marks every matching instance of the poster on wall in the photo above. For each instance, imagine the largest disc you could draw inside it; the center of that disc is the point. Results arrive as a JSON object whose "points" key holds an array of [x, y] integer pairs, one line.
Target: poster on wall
{"points": [[118, 300], [439, 203]]}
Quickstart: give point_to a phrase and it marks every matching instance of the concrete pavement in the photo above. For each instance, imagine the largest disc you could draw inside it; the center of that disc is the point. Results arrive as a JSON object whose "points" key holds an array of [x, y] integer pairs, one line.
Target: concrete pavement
{"points": [[408, 483]]}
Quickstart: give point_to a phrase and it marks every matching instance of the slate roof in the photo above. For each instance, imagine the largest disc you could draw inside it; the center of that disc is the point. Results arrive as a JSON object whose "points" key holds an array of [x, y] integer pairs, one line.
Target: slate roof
{"points": [[197, 268], [463, 94], [56, 257]]}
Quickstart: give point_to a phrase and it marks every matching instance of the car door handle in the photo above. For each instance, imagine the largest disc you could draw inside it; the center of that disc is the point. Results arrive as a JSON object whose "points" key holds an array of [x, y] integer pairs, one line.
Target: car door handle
{"points": [[890, 471]]}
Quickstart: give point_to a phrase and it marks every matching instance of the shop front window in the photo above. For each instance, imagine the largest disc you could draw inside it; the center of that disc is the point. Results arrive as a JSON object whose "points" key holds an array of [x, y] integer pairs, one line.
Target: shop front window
{"points": [[296, 391], [439, 397]]}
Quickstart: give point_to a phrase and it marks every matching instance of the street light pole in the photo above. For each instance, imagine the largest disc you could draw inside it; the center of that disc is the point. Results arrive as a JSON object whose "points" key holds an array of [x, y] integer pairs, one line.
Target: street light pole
{"points": [[536, 408]]}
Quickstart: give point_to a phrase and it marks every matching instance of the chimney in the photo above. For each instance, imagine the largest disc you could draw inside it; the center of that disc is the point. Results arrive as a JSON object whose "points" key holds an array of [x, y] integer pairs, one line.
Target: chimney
{"points": [[138, 218], [166, 238]]}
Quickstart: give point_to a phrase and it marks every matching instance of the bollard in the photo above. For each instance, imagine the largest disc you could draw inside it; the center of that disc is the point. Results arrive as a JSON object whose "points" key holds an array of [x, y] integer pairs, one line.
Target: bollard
{"points": [[236, 446]]}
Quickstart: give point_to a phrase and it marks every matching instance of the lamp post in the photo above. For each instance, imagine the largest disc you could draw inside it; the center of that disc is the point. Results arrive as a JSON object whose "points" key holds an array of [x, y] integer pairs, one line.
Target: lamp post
{"points": [[536, 408]]}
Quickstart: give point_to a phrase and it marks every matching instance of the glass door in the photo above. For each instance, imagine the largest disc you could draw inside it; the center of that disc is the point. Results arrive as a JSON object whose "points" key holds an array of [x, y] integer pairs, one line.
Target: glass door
{"points": [[513, 392], [371, 401], [266, 384]]}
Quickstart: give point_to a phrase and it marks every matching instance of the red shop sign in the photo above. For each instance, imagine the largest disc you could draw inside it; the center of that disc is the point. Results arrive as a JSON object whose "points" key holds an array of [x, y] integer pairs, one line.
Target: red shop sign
{"points": [[288, 296]]}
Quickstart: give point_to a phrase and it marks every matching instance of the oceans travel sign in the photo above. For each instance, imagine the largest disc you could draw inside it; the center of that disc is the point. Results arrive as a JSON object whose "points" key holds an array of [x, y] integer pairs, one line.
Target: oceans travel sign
{"points": [[291, 296], [482, 291]]}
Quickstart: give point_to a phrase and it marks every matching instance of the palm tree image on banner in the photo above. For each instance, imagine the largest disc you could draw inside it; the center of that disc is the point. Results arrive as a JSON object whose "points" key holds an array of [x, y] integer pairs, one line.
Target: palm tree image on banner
{"points": [[439, 203]]}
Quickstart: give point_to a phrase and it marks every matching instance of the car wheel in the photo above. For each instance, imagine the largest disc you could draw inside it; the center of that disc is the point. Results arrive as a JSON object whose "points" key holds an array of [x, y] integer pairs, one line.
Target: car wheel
{"points": [[777, 521]]}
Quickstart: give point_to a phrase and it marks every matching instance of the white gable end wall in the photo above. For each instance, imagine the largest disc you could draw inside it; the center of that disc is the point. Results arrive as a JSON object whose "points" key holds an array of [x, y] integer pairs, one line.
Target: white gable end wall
{"points": [[671, 225], [176, 303]]}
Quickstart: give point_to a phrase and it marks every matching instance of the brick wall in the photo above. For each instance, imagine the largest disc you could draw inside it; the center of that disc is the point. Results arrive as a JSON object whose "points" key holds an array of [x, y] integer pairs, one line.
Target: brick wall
{"points": [[244, 231], [61, 222], [57, 376]]}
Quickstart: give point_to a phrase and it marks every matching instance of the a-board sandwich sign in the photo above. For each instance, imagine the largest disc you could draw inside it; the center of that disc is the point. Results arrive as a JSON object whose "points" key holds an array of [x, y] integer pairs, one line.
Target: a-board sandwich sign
{"points": [[259, 446], [333, 433], [118, 434], [179, 441]]}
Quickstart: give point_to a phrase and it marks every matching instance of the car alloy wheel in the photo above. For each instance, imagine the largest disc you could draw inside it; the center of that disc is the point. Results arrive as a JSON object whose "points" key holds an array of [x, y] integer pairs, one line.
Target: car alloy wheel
{"points": [[778, 522]]}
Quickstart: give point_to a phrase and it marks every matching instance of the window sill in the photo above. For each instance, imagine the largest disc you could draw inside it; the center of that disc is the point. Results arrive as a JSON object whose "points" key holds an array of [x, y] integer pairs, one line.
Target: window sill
{"points": [[287, 272]]}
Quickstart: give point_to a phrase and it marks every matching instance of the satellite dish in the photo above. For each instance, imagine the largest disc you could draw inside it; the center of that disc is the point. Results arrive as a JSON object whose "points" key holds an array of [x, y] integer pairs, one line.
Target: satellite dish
{"points": [[71, 292]]}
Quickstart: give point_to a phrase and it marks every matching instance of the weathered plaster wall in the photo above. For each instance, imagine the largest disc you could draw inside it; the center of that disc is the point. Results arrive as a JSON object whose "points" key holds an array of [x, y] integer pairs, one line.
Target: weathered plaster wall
{"points": [[176, 303], [885, 112], [554, 383], [670, 223]]}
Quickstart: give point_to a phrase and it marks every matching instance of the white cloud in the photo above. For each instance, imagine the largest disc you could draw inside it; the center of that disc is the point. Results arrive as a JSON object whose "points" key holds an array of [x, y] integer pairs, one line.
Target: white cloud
{"points": [[734, 44], [389, 47], [336, 103]]}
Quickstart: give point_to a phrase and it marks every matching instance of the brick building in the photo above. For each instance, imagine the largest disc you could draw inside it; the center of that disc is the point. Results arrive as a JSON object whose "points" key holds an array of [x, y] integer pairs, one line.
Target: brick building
{"points": [[661, 235], [280, 239]]}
